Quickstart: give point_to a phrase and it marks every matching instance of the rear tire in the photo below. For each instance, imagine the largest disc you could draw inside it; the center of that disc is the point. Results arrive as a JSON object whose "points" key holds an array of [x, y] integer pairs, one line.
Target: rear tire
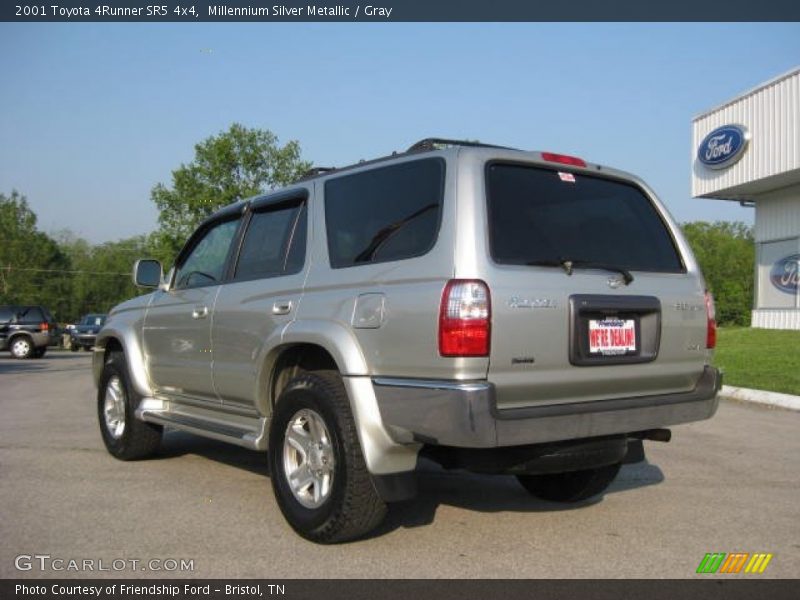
{"points": [[74, 347], [21, 347], [330, 496], [573, 486], [125, 436]]}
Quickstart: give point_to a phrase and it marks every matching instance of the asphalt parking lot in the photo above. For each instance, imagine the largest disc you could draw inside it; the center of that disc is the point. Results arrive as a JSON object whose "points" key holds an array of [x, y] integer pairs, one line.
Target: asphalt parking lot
{"points": [[731, 484]]}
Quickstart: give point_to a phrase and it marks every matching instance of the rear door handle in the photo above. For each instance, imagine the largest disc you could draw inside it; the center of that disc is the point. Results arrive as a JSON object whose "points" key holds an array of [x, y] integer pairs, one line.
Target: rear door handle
{"points": [[282, 307], [200, 312]]}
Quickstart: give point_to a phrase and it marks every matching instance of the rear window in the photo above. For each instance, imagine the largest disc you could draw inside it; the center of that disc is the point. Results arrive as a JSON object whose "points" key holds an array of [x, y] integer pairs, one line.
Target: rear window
{"points": [[542, 215], [384, 214]]}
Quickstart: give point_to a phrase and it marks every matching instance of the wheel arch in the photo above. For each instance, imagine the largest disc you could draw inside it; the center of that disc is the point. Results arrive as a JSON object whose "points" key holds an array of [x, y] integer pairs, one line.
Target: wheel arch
{"points": [[285, 362], [306, 345], [114, 340]]}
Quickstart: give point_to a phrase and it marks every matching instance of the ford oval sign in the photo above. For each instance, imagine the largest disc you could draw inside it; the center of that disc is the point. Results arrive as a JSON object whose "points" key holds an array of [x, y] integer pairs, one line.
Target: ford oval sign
{"points": [[723, 146], [785, 274]]}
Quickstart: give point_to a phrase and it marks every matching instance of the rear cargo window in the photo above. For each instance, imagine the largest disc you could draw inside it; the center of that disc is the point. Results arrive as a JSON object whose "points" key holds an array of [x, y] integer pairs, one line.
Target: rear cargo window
{"points": [[384, 214], [540, 215]]}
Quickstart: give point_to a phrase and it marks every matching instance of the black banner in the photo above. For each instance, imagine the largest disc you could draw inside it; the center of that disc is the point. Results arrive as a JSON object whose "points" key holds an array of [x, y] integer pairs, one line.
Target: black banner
{"points": [[416, 589], [402, 10]]}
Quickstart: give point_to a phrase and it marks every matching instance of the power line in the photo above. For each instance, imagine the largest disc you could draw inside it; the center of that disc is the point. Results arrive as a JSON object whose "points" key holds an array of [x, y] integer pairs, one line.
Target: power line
{"points": [[9, 269]]}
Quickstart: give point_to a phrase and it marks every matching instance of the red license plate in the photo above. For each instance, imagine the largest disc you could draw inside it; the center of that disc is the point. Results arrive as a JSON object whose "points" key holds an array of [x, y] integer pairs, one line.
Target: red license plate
{"points": [[612, 337]]}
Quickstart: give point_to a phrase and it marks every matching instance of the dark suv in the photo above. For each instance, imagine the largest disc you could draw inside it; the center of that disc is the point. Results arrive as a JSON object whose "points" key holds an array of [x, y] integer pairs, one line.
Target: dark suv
{"points": [[27, 331], [85, 332]]}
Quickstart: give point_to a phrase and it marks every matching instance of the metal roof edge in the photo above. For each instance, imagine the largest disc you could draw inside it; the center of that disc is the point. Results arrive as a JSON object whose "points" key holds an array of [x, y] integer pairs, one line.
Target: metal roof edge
{"points": [[790, 73]]}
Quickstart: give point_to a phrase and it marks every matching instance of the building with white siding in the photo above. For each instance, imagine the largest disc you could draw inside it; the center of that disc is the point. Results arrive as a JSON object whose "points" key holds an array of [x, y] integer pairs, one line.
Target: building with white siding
{"points": [[748, 150]]}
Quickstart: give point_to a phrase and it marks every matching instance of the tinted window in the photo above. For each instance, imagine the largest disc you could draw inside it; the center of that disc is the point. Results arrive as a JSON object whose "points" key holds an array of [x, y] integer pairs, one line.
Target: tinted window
{"points": [[275, 243], [205, 264], [29, 314], [539, 215], [384, 214], [6, 313], [94, 320]]}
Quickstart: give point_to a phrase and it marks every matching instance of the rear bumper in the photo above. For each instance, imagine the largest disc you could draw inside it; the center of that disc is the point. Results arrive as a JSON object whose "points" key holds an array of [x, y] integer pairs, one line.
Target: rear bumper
{"points": [[464, 414]]}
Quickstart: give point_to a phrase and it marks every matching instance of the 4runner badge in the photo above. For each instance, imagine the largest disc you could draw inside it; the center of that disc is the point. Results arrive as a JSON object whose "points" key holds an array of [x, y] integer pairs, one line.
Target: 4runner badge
{"points": [[517, 302]]}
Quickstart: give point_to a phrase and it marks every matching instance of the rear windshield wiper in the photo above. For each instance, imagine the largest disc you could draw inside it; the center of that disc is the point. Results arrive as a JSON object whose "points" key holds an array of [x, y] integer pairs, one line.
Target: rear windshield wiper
{"points": [[569, 264], [380, 238]]}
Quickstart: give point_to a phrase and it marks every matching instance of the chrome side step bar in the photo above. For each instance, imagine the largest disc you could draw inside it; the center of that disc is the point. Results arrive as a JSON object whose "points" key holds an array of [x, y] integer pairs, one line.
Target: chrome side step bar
{"points": [[248, 432]]}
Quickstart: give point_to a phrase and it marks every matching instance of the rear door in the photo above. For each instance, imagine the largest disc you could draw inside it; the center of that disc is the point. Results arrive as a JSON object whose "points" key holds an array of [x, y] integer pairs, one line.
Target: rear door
{"points": [[262, 297], [590, 296]]}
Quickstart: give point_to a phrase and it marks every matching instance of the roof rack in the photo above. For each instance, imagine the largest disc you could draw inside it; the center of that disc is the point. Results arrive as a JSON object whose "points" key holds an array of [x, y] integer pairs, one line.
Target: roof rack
{"points": [[436, 143], [426, 145], [313, 172]]}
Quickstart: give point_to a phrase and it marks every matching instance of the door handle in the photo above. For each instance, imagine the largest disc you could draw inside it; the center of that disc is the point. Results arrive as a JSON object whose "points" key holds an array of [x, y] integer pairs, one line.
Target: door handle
{"points": [[200, 312], [282, 307]]}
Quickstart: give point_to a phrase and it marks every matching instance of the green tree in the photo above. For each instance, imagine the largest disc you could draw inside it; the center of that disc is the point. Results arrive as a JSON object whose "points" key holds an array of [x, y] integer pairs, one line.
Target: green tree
{"points": [[100, 275], [234, 164], [31, 263], [726, 254]]}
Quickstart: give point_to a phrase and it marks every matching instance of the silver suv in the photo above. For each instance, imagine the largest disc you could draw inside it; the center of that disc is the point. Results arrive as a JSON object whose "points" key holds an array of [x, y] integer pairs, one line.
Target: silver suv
{"points": [[495, 310]]}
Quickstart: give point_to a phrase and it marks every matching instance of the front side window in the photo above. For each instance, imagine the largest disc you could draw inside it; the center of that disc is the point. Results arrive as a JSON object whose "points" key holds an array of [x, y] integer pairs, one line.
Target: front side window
{"points": [[542, 216], [384, 214], [205, 264], [275, 243]]}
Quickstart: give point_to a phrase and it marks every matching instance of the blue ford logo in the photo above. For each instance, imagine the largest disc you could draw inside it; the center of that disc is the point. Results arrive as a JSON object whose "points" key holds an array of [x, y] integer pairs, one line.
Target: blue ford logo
{"points": [[723, 146], [785, 274]]}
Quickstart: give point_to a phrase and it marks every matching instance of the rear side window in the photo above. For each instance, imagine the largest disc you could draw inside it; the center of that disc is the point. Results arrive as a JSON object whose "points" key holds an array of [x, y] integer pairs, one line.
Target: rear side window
{"points": [[275, 243], [384, 214], [6, 313], [543, 216], [30, 314]]}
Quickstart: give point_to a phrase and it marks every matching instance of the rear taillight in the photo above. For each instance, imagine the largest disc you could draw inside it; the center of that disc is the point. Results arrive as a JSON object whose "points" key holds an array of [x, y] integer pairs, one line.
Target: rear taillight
{"points": [[465, 318], [563, 159], [711, 325], [45, 327]]}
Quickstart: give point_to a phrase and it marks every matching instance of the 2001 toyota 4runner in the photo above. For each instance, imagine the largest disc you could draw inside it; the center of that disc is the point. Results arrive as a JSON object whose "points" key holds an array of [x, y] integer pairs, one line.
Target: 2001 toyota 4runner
{"points": [[497, 310]]}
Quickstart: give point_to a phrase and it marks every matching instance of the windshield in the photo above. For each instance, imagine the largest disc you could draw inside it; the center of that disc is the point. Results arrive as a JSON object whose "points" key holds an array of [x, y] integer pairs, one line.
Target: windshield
{"points": [[94, 320], [546, 217]]}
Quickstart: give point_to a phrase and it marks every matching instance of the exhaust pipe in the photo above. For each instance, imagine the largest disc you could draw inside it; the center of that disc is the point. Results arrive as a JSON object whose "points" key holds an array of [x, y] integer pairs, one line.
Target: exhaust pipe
{"points": [[656, 435]]}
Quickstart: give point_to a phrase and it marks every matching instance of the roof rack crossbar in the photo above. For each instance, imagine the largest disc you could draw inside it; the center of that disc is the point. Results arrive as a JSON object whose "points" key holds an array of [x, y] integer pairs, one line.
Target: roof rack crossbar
{"points": [[434, 144]]}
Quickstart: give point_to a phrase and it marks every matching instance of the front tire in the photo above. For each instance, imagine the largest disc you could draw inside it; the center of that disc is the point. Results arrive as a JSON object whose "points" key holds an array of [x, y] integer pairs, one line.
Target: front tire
{"points": [[318, 472], [21, 347], [573, 486], [125, 436]]}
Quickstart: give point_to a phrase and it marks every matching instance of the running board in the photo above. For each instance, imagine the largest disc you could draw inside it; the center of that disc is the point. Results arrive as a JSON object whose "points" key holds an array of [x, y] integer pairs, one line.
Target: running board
{"points": [[246, 432]]}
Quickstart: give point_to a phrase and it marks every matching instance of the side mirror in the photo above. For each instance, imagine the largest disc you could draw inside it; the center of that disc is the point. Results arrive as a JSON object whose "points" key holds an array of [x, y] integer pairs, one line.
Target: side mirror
{"points": [[147, 273]]}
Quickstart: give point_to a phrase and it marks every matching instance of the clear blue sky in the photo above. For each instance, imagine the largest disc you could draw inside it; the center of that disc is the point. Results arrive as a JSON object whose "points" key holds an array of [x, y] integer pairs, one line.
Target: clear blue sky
{"points": [[93, 115]]}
